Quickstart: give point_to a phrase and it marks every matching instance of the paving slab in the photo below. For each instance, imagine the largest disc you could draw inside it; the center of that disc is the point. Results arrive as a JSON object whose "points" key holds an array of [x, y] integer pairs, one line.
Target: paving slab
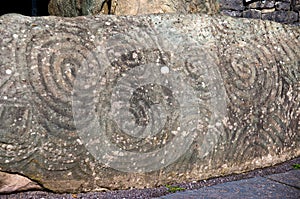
{"points": [[291, 178], [258, 187]]}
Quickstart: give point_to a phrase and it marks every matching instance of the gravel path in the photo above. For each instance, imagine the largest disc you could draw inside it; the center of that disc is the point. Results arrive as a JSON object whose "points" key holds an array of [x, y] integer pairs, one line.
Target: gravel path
{"points": [[155, 192]]}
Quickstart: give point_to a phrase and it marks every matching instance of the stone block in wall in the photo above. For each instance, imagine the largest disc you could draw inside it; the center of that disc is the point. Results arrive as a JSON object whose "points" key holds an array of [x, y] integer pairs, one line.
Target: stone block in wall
{"points": [[254, 5], [296, 5], [232, 13], [232, 5], [267, 4], [252, 13], [261, 4], [281, 16], [286, 17], [283, 6]]}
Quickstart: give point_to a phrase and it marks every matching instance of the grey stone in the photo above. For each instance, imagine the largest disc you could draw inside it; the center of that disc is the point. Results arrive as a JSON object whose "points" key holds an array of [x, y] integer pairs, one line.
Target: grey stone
{"points": [[285, 17], [232, 4], [255, 5], [267, 4], [297, 7], [268, 16], [108, 102], [262, 4], [252, 13], [281, 16], [232, 13], [283, 6]]}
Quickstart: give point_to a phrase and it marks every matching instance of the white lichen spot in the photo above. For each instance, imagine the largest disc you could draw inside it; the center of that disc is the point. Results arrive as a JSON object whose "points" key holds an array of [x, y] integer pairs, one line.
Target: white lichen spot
{"points": [[79, 141], [134, 55], [164, 70], [8, 71], [33, 67]]}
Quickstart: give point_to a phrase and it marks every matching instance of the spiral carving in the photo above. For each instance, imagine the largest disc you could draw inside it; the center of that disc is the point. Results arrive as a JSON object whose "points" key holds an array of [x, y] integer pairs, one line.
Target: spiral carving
{"points": [[54, 55], [258, 83], [18, 135], [151, 101]]}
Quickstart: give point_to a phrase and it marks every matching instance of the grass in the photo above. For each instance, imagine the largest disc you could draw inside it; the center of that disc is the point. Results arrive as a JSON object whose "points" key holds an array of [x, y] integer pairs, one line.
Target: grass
{"points": [[174, 189], [296, 166]]}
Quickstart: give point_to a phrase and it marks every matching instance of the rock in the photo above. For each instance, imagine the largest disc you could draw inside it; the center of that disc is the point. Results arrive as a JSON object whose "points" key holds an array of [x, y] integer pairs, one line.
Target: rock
{"points": [[232, 13], [296, 5], [262, 4], [283, 6], [255, 5], [73, 8], [137, 7], [117, 102], [255, 14], [281, 16], [232, 4], [13, 182], [267, 4]]}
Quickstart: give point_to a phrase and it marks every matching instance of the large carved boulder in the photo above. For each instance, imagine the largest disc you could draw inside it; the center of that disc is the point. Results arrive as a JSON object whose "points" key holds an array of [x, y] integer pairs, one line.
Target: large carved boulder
{"points": [[117, 102]]}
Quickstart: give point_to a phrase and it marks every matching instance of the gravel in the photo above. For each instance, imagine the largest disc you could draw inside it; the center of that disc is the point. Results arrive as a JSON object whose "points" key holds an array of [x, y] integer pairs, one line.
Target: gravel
{"points": [[155, 192]]}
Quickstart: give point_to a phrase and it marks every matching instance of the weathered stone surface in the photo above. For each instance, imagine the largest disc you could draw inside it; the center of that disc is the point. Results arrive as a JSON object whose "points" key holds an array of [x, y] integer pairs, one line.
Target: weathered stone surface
{"points": [[115, 102], [137, 7], [73, 8], [14, 182]]}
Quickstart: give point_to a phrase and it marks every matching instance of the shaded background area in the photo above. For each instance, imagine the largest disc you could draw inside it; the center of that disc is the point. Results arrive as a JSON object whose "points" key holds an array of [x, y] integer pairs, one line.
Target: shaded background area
{"points": [[282, 11], [25, 7]]}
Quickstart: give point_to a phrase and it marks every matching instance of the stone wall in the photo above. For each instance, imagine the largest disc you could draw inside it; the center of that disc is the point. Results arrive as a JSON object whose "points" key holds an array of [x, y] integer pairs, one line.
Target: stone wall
{"points": [[283, 11]]}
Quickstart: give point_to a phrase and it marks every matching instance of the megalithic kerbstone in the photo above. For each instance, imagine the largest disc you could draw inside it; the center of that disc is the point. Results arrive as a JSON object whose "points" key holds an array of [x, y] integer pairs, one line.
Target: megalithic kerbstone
{"points": [[118, 102]]}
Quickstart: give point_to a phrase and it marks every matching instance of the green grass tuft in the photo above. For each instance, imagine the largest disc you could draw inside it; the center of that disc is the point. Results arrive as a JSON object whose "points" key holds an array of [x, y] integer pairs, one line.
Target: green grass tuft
{"points": [[296, 166], [174, 189]]}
